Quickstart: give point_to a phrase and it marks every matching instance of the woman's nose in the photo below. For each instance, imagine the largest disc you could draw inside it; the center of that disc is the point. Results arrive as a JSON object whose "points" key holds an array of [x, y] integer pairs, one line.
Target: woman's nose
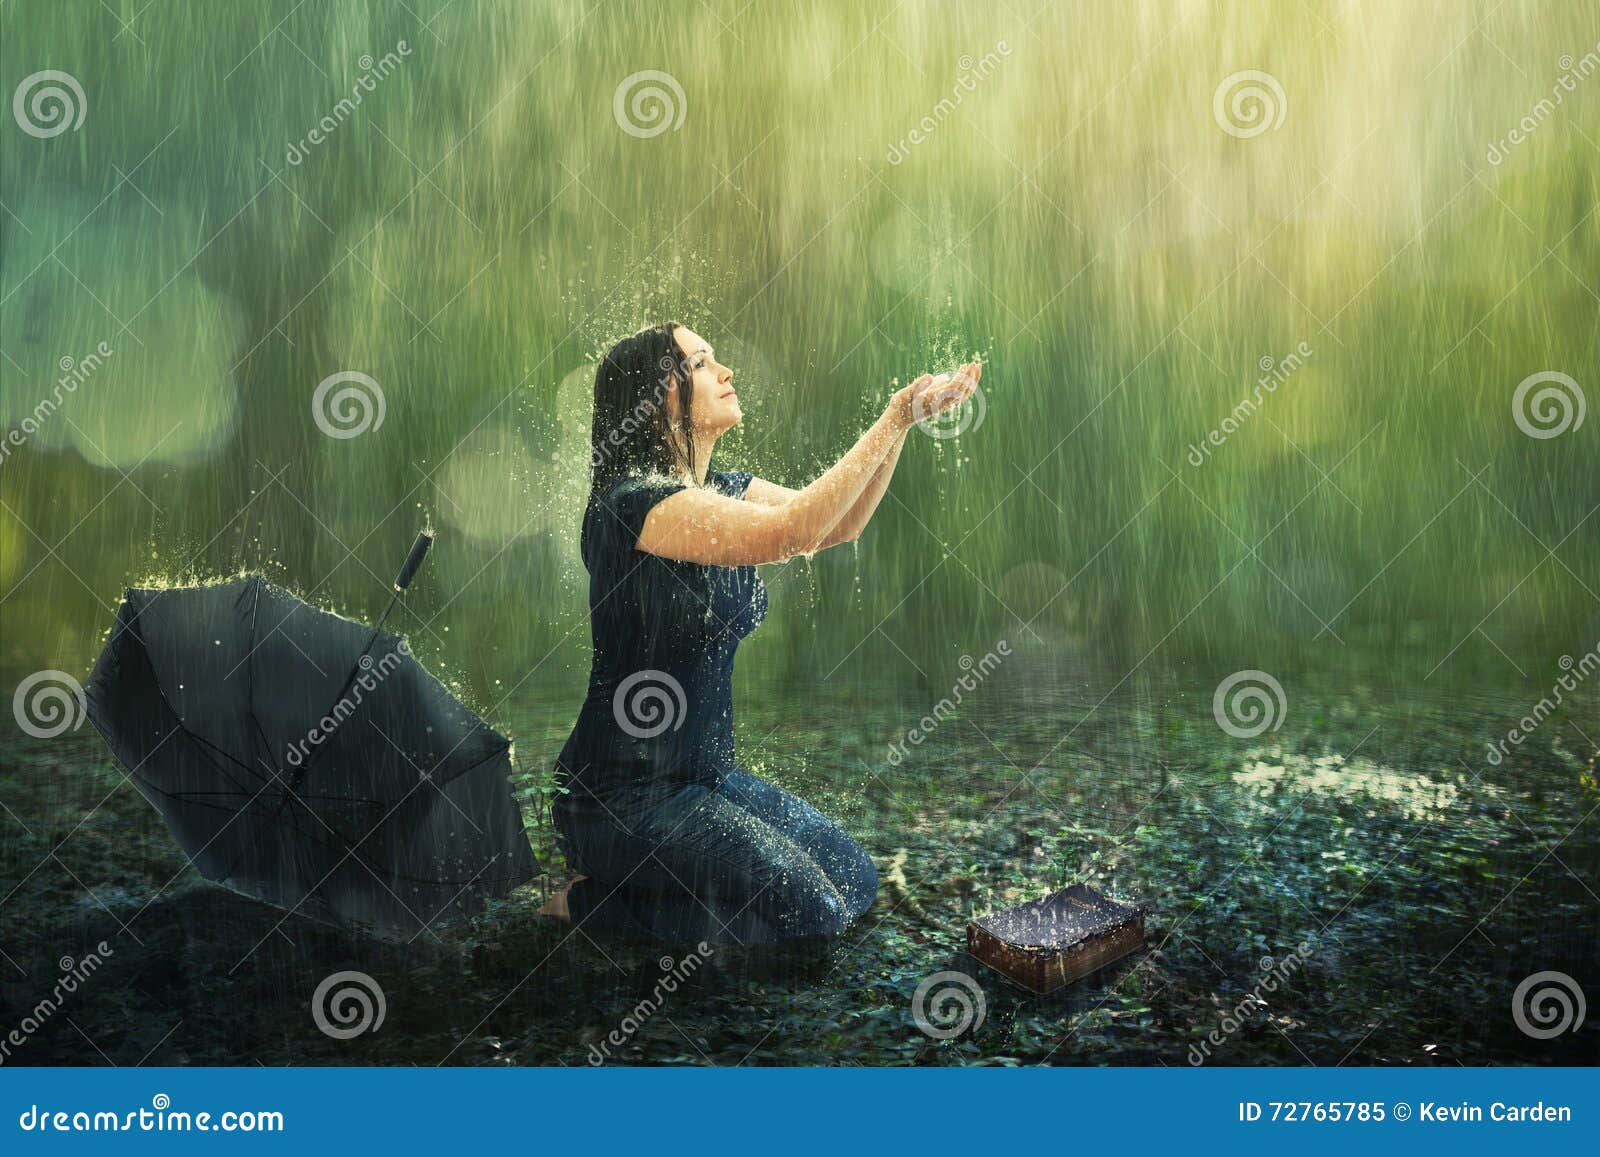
{"points": [[724, 375]]}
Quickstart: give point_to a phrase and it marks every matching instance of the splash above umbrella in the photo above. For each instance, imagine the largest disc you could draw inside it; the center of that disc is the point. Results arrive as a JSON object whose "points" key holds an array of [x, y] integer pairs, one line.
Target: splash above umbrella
{"points": [[308, 760]]}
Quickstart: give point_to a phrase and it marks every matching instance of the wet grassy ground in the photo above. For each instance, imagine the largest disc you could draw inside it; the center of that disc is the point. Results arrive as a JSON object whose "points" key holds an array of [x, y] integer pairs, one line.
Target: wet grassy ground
{"points": [[1425, 884], [1131, 268]]}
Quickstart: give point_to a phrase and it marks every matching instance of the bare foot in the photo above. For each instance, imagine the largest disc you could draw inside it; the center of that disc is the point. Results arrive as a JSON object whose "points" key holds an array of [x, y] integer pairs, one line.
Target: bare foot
{"points": [[557, 905]]}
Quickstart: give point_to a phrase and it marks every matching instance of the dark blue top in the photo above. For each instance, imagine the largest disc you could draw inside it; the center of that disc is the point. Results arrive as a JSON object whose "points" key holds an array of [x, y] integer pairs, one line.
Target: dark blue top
{"points": [[659, 711]]}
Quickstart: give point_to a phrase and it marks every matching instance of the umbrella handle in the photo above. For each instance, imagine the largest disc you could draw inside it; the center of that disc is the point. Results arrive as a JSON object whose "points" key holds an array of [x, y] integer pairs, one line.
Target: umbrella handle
{"points": [[419, 551]]}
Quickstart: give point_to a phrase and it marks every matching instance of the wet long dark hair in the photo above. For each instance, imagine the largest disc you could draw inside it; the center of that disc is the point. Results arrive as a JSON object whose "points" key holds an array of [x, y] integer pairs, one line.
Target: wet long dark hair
{"points": [[633, 431]]}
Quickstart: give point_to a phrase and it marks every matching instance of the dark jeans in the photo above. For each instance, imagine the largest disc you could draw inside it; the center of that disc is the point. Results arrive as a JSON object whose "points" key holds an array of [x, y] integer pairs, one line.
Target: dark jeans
{"points": [[744, 860]]}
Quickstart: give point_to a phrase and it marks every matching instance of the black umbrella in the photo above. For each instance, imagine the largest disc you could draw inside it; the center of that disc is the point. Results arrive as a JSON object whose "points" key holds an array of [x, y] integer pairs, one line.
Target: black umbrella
{"points": [[306, 759]]}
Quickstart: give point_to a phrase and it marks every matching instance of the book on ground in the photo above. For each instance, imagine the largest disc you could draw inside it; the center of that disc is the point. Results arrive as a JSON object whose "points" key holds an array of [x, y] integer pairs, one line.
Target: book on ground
{"points": [[1056, 939]]}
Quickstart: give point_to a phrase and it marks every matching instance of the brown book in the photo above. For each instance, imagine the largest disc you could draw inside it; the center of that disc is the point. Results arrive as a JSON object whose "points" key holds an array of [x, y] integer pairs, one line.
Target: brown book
{"points": [[1052, 941]]}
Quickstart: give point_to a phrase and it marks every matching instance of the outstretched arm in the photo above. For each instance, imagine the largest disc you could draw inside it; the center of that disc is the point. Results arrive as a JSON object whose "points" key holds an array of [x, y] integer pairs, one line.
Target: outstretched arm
{"points": [[849, 527], [855, 520], [703, 526]]}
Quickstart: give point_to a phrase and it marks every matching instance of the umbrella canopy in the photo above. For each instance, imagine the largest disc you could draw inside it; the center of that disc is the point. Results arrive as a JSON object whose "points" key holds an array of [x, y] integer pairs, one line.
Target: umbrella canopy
{"points": [[308, 760]]}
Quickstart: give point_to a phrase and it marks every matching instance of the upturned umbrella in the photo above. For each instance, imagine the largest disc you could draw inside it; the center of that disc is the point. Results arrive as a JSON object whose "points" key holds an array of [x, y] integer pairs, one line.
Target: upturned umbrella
{"points": [[308, 760]]}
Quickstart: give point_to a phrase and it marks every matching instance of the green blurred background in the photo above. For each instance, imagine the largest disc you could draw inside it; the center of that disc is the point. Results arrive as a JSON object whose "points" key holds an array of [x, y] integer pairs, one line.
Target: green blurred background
{"points": [[483, 221]]}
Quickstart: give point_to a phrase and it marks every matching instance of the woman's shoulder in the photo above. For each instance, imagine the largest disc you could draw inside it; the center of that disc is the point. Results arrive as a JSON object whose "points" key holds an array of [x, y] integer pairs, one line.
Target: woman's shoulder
{"points": [[658, 486], [617, 509], [639, 482]]}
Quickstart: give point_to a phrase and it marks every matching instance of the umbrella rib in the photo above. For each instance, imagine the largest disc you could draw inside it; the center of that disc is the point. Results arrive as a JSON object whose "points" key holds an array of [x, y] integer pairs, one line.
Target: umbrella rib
{"points": [[277, 774], [307, 832], [252, 795], [203, 743], [471, 767], [289, 791], [347, 850], [261, 732], [207, 747], [304, 769], [177, 720]]}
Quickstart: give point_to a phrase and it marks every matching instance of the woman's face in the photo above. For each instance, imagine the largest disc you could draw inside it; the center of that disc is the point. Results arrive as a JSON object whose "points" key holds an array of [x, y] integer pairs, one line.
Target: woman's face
{"points": [[715, 406]]}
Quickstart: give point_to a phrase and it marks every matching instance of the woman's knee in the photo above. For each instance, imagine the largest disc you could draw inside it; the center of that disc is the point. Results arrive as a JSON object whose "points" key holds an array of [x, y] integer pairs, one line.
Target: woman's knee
{"points": [[856, 878], [807, 903], [833, 915], [842, 887]]}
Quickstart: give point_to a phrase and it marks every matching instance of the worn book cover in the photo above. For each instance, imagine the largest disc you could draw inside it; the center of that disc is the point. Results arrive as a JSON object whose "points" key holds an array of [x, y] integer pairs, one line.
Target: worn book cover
{"points": [[1056, 939]]}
